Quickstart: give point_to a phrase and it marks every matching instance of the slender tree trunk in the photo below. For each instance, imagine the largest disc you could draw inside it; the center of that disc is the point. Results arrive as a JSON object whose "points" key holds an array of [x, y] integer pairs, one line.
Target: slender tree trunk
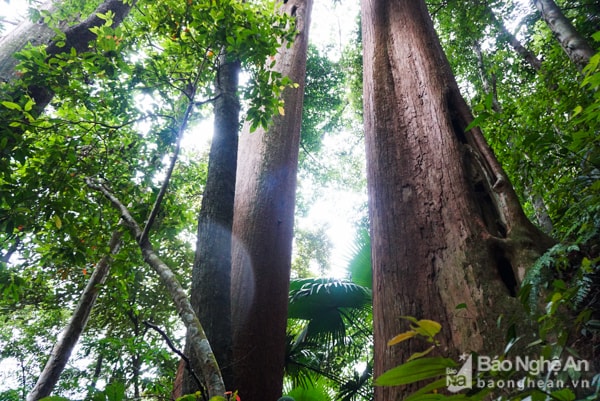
{"points": [[446, 225], [521, 50], [97, 371], [576, 47], [541, 212], [489, 84], [196, 335], [263, 229], [211, 275], [70, 336]]}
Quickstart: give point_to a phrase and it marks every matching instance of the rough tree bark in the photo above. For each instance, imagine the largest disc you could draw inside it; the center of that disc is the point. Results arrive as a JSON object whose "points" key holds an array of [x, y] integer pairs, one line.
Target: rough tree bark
{"points": [[70, 336], [26, 32], [263, 229], [211, 274], [446, 225], [576, 47]]}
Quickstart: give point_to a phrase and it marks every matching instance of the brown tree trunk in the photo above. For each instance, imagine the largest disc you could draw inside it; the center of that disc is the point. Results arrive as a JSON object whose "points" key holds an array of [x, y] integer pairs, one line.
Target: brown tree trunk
{"points": [[211, 275], [576, 47], [70, 336], [263, 230], [446, 225]]}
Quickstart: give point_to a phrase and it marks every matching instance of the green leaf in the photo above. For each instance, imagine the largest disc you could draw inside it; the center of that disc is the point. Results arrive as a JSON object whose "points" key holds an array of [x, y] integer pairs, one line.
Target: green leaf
{"points": [[416, 370], [428, 328], [29, 105], [564, 394], [115, 391], [417, 355], [478, 120], [11, 105]]}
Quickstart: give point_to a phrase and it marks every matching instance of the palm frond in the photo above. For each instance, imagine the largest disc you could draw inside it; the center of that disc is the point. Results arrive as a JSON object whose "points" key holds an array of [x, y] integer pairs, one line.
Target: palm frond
{"points": [[317, 391], [359, 260], [324, 303]]}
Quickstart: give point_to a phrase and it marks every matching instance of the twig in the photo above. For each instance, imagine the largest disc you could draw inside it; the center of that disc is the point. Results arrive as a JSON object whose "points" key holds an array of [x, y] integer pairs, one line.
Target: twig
{"points": [[170, 344]]}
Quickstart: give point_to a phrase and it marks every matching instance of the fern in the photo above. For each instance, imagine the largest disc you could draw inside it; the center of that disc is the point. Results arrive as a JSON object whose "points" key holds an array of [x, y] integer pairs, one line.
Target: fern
{"points": [[543, 272]]}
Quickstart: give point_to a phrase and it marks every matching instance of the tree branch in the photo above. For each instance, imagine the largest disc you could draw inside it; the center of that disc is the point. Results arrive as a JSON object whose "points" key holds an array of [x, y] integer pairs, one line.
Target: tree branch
{"points": [[210, 371], [170, 344]]}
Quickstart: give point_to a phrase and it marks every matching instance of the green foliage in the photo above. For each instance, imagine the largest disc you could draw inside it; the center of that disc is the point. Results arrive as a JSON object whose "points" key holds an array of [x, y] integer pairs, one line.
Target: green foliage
{"points": [[116, 113], [417, 367], [561, 292], [329, 307], [323, 100], [359, 265], [317, 391], [415, 370], [312, 249], [329, 338], [432, 373]]}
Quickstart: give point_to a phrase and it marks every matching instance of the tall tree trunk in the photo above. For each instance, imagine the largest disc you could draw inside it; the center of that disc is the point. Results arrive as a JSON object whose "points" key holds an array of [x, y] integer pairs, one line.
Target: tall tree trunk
{"points": [[27, 32], [70, 336], [211, 275], [263, 229], [576, 47], [446, 225], [488, 83]]}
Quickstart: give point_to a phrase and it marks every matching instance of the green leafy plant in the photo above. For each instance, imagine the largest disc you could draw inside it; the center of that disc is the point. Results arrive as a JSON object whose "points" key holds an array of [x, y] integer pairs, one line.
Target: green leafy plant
{"points": [[418, 367]]}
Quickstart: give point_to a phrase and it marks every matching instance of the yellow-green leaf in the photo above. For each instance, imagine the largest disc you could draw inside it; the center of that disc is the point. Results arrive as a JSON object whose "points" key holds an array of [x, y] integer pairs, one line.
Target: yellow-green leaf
{"points": [[420, 354], [401, 337], [11, 105], [57, 221], [428, 328], [281, 110]]}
